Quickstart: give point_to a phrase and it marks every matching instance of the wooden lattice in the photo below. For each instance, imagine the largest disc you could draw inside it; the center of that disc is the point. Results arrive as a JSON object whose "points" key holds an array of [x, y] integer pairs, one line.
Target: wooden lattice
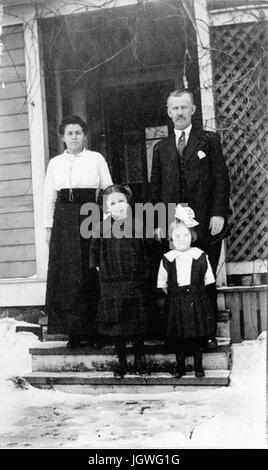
{"points": [[240, 71]]}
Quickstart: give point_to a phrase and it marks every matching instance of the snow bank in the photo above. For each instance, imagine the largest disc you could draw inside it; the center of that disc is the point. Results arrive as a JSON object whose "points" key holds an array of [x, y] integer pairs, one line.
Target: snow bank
{"points": [[205, 417]]}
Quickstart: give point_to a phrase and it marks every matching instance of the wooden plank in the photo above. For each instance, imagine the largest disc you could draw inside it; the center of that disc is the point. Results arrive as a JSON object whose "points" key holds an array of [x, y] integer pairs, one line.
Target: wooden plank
{"points": [[233, 303], [13, 106], [14, 139], [13, 57], [17, 220], [12, 36], [128, 383], [263, 309], [16, 204], [14, 123], [228, 290], [15, 172], [249, 306], [15, 155], [23, 236], [17, 269], [13, 73], [15, 188], [13, 90], [17, 253]]}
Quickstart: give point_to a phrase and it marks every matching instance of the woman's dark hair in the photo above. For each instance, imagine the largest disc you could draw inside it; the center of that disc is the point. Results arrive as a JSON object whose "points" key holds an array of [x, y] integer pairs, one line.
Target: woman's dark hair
{"points": [[118, 188], [72, 120]]}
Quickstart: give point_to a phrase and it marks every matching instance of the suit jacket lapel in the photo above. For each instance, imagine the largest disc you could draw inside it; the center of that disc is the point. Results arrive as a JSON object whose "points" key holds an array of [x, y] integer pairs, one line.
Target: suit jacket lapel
{"points": [[172, 160], [193, 141]]}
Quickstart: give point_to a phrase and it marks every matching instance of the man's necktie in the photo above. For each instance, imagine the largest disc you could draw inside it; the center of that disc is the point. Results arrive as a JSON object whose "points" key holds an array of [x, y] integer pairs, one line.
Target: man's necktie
{"points": [[181, 143], [180, 147]]}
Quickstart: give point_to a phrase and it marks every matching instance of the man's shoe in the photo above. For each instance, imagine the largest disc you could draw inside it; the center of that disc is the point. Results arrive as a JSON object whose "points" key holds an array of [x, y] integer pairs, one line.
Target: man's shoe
{"points": [[212, 343], [121, 369], [198, 365]]}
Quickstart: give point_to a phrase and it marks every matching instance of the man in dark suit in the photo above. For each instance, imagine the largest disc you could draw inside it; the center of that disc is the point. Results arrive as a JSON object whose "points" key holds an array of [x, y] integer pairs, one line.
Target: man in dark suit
{"points": [[189, 168]]}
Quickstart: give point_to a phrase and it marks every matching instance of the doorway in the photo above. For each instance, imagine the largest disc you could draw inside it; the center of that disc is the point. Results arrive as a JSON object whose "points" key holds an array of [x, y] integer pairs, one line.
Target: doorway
{"points": [[129, 112]]}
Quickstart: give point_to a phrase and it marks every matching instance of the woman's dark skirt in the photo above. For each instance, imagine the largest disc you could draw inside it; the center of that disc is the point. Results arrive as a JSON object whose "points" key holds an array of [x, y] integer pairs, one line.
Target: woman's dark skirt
{"points": [[72, 288]]}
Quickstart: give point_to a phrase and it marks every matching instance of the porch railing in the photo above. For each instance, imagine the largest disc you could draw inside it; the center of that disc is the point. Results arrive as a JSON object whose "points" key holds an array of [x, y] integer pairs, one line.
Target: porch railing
{"points": [[248, 306]]}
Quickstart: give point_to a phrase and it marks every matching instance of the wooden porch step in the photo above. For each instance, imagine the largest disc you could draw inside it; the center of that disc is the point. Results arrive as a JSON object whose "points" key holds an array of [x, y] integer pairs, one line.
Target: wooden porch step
{"points": [[56, 357], [223, 327], [105, 382]]}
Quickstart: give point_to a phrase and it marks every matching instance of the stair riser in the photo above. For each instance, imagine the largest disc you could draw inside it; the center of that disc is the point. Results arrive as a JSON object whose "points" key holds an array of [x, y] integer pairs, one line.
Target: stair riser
{"points": [[223, 329], [58, 363]]}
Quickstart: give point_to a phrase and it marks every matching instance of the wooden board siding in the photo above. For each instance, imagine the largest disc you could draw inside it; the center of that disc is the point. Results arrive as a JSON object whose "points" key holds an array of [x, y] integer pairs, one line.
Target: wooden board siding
{"points": [[248, 306], [17, 241]]}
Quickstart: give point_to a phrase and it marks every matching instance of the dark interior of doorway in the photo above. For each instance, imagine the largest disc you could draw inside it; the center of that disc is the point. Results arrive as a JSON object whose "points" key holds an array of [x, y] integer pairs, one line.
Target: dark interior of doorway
{"points": [[129, 110]]}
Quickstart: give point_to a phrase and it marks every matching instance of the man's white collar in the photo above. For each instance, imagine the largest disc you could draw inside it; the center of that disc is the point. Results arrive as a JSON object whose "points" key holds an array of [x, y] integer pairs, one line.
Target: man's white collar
{"points": [[187, 131]]}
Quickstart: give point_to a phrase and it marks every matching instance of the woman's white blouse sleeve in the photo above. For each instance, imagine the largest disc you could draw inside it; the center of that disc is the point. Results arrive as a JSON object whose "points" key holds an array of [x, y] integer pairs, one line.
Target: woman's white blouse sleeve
{"points": [[209, 276], [104, 173], [50, 196], [162, 276]]}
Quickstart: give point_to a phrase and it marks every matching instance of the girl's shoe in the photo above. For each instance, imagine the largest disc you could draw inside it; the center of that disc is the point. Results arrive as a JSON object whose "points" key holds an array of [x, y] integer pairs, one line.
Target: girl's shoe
{"points": [[140, 365], [74, 342], [121, 369], [198, 366], [179, 370]]}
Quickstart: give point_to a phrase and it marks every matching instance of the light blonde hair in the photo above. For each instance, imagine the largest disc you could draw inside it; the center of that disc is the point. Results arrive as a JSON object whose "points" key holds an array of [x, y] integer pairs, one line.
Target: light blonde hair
{"points": [[176, 224]]}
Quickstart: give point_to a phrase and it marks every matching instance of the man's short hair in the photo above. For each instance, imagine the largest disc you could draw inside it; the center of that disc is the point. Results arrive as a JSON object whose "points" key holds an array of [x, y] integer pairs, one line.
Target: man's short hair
{"points": [[180, 92]]}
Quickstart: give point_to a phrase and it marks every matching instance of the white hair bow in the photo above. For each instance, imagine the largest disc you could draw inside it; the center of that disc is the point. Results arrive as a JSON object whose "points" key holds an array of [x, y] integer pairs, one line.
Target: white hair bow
{"points": [[186, 215]]}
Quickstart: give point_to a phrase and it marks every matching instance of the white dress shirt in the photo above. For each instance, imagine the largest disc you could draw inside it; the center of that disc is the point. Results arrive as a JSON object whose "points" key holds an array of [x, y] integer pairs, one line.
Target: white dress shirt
{"points": [[87, 169], [178, 133], [184, 261]]}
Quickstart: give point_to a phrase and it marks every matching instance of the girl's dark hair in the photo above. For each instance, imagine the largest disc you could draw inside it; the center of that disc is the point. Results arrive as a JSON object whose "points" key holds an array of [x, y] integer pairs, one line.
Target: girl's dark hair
{"points": [[118, 188], [177, 223], [72, 120]]}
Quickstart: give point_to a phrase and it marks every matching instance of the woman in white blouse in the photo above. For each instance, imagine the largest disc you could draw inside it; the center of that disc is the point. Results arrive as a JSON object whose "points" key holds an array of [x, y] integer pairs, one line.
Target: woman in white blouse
{"points": [[72, 180]]}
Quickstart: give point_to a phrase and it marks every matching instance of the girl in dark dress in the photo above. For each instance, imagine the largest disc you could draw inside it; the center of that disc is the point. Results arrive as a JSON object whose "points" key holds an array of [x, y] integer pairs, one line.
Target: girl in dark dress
{"points": [[119, 252], [183, 274]]}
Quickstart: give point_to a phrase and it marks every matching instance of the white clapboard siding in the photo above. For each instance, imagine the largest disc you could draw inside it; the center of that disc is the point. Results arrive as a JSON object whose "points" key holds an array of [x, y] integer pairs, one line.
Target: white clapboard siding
{"points": [[12, 56], [17, 253], [17, 269], [13, 123], [15, 172], [13, 220], [13, 90], [15, 188], [15, 155], [17, 235], [13, 73], [14, 139], [16, 204], [13, 106], [12, 37], [22, 236]]}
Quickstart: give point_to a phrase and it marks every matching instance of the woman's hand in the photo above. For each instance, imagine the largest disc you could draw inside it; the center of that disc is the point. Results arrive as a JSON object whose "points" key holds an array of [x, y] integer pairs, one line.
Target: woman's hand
{"points": [[48, 235]]}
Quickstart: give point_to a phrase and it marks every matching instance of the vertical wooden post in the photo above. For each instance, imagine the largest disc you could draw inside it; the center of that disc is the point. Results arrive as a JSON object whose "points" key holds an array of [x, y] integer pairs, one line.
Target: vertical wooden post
{"points": [[1, 22], [202, 22], [38, 134]]}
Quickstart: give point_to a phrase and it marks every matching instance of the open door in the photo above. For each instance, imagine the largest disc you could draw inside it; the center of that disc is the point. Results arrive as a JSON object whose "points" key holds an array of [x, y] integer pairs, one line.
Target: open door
{"points": [[129, 111]]}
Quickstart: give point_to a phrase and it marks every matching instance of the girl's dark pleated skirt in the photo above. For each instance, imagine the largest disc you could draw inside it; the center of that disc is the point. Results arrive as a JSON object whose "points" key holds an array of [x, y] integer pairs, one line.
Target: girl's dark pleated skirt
{"points": [[72, 293]]}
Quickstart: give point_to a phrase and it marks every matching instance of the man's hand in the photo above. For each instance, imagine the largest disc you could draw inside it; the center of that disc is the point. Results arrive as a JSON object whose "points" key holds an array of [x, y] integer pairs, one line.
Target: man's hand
{"points": [[48, 235], [158, 233], [216, 224]]}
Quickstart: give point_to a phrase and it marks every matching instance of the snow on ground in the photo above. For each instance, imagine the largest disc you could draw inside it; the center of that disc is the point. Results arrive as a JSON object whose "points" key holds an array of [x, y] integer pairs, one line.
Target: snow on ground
{"points": [[191, 417]]}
